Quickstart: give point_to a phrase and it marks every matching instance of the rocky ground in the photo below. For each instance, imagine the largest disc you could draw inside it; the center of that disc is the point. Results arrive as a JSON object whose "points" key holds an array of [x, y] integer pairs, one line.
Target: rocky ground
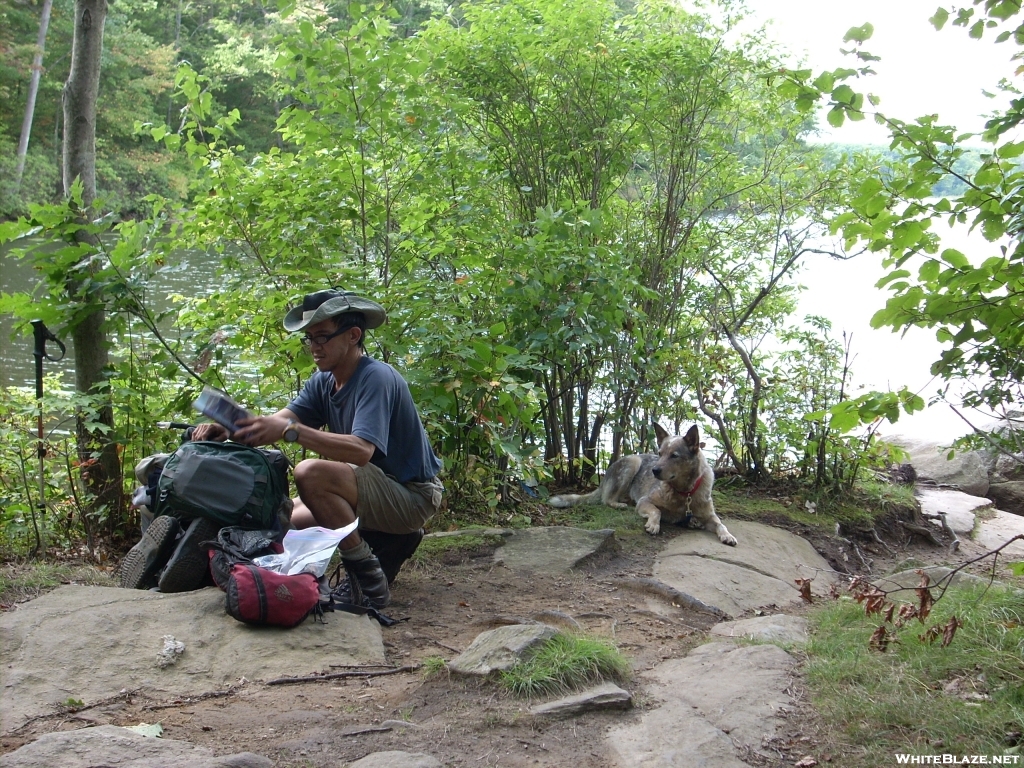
{"points": [[88, 656]]}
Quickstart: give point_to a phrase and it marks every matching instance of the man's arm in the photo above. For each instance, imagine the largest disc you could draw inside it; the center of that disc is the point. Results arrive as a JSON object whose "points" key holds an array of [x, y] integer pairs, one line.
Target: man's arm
{"points": [[264, 430]]}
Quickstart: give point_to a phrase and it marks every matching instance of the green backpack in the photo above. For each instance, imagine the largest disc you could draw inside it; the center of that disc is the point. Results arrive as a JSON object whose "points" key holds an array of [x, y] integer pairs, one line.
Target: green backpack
{"points": [[228, 483]]}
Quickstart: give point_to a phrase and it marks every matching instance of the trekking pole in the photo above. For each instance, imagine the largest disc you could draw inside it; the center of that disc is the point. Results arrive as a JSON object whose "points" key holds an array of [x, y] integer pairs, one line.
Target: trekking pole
{"points": [[42, 334]]}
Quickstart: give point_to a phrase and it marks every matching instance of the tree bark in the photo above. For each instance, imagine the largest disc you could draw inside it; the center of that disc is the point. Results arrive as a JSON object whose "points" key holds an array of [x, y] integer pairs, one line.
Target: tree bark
{"points": [[97, 452], [80, 95], [33, 90]]}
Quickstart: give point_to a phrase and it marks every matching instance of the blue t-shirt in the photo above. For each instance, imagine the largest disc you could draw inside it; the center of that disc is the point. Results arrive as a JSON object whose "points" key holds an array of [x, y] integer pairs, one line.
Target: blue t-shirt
{"points": [[375, 404]]}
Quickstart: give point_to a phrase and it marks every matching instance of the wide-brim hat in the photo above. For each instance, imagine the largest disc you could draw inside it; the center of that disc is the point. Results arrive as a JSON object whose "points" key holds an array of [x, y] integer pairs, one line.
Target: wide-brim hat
{"points": [[331, 303]]}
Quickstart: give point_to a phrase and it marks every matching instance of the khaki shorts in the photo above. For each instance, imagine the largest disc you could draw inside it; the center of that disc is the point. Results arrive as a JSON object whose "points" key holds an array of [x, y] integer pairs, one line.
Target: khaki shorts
{"points": [[389, 506]]}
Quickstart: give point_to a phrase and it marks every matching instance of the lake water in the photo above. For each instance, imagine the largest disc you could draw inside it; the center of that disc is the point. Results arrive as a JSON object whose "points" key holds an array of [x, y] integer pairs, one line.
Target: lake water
{"points": [[17, 363]]}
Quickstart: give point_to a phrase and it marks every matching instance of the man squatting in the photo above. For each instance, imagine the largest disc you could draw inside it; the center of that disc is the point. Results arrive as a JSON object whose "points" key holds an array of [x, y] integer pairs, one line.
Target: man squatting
{"points": [[377, 463]]}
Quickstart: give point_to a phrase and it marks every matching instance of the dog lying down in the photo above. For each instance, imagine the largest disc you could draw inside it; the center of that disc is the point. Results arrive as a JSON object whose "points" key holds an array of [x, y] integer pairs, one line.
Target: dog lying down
{"points": [[672, 485]]}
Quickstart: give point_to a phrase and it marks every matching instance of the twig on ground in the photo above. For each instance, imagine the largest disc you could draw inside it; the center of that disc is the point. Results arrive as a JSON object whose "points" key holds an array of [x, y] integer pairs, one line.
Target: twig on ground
{"points": [[63, 711], [193, 699], [358, 730], [338, 675], [360, 666], [442, 645]]}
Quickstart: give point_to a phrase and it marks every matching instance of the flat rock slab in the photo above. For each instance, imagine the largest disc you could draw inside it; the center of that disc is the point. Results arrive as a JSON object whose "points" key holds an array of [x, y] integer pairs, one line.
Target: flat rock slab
{"points": [[109, 745], [779, 628], [910, 580], [553, 549], [961, 508], [500, 649], [759, 572], [708, 709], [1000, 529], [105, 639], [396, 759], [601, 697]]}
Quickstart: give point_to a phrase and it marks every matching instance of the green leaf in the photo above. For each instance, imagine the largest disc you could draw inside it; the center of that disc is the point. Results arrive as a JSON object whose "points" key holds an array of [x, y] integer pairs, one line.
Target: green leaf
{"points": [[859, 34], [825, 81], [954, 258], [1010, 150], [844, 94], [844, 417], [929, 270], [836, 117], [939, 19]]}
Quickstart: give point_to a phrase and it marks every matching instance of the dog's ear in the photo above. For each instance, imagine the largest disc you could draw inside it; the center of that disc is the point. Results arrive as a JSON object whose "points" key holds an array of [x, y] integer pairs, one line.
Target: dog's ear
{"points": [[692, 438], [660, 433]]}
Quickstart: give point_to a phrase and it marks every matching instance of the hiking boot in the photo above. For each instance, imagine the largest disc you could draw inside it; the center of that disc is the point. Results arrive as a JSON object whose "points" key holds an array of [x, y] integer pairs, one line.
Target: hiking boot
{"points": [[188, 567], [366, 584], [139, 567]]}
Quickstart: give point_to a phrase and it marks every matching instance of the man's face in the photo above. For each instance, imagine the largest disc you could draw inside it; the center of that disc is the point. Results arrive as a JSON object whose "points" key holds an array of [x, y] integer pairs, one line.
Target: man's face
{"points": [[329, 354]]}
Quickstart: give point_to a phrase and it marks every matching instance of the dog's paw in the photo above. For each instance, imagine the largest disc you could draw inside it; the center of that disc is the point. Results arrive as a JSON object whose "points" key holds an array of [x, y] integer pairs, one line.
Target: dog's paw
{"points": [[727, 538], [653, 527]]}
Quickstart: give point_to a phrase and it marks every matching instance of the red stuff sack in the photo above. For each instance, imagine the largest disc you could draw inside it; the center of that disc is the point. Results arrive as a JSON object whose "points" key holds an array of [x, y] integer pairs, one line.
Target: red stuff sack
{"points": [[259, 596]]}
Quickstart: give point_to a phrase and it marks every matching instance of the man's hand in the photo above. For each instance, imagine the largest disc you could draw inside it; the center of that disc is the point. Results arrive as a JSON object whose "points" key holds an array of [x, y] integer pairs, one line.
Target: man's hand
{"points": [[211, 431], [261, 430]]}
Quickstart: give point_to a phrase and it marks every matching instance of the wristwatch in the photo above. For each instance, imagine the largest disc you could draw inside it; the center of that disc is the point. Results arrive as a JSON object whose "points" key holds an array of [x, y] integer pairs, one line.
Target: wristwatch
{"points": [[291, 431]]}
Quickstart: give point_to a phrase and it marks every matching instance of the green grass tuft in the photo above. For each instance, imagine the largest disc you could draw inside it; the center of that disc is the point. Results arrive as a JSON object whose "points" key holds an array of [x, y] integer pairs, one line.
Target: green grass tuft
{"points": [[35, 578], [566, 663], [918, 698], [433, 666]]}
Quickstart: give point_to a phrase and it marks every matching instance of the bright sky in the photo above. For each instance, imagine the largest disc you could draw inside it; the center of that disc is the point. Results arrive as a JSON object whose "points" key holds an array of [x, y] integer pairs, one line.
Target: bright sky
{"points": [[922, 71]]}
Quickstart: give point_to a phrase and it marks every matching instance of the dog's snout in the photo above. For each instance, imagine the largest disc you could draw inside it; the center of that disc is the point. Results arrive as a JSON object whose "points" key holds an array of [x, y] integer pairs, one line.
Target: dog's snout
{"points": [[656, 471]]}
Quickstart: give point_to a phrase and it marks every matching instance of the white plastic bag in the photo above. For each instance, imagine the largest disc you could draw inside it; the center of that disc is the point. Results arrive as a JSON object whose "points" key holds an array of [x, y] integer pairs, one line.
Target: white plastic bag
{"points": [[306, 551]]}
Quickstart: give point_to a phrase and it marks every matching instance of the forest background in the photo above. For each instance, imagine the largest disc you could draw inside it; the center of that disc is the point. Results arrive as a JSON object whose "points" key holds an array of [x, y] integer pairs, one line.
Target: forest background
{"points": [[580, 216]]}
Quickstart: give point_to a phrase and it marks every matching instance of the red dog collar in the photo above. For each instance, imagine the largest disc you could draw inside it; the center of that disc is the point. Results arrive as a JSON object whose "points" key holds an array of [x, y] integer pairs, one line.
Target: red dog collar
{"points": [[693, 490]]}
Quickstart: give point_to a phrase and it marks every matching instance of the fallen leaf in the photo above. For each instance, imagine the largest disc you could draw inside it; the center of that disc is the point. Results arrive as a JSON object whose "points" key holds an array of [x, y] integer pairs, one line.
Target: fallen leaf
{"points": [[806, 762]]}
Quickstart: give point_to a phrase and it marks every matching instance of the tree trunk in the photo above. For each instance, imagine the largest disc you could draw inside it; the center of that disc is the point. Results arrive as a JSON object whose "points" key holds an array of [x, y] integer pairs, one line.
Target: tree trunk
{"points": [[97, 452], [80, 94], [33, 90]]}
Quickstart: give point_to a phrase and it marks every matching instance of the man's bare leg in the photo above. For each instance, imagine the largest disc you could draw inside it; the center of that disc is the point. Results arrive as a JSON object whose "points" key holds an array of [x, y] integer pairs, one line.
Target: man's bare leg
{"points": [[327, 497]]}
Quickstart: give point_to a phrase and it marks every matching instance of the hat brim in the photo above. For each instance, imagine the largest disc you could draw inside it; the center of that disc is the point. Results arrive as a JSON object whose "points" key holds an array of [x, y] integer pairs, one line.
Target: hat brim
{"points": [[297, 320]]}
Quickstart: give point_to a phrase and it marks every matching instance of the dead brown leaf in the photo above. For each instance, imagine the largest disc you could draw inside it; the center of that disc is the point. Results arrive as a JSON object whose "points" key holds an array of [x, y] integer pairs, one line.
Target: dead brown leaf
{"points": [[950, 630], [804, 585]]}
